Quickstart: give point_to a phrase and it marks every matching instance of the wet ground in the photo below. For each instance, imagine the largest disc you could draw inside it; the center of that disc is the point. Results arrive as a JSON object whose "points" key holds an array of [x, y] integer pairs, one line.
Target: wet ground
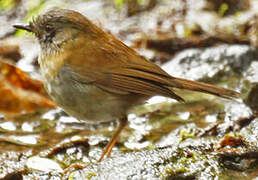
{"points": [[204, 138]]}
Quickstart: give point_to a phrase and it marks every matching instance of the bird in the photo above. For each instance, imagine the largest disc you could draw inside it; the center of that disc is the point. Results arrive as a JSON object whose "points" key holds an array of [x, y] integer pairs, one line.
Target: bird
{"points": [[95, 77]]}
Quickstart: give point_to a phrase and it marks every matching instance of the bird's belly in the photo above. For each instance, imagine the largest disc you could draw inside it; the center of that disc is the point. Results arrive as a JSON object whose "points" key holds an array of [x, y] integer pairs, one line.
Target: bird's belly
{"points": [[86, 101]]}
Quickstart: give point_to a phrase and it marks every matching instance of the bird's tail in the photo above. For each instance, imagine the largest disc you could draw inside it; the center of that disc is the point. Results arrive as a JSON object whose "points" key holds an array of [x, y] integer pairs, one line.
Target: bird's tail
{"points": [[204, 87]]}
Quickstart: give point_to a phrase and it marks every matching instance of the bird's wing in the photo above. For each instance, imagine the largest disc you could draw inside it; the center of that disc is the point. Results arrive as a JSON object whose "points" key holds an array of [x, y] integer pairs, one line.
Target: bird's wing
{"points": [[116, 68], [126, 80]]}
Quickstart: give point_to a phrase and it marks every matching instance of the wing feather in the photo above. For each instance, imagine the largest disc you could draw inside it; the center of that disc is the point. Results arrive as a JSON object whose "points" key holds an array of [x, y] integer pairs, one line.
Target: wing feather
{"points": [[127, 80]]}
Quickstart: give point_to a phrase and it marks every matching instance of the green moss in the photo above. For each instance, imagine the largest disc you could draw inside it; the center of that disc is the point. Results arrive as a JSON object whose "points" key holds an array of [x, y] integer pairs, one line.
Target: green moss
{"points": [[223, 9], [188, 32], [179, 169], [71, 176], [6, 4], [118, 3], [181, 165], [238, 14], [184, 134], [141, 2], [90, 175], [185, 162]]}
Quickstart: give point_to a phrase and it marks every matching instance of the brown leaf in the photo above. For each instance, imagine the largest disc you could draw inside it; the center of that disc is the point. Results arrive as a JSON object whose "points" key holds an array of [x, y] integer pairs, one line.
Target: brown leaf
{"points": [[11, 52], [19, 93]]}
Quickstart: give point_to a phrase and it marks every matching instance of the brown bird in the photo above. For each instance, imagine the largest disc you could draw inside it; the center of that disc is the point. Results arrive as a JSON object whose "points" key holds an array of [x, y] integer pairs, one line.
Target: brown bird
{"points": [[96, 78]]}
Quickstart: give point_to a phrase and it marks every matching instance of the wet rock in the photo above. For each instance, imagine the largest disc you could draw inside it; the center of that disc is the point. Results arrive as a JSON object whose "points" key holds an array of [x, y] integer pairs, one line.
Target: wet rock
{"points": [[172, 45], [134, 6], [43, 164], [230, 6], [252, 98], [166, 162], [13, 176], [212, 63], [252, 30], [251, 75], [245, 157], [229, 66], [12, 163], [192, 158]]}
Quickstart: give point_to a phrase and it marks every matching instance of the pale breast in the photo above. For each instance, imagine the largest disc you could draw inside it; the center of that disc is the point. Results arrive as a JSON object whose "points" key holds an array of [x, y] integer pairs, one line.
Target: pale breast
{"points": [[85, 101]]}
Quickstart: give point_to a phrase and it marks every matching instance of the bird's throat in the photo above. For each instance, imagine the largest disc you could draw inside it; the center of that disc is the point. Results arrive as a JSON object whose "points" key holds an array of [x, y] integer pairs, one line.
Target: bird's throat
{"points": [[50, 63]]}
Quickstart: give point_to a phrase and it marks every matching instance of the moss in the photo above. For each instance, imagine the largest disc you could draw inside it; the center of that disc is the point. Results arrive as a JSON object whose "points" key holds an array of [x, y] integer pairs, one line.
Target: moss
{"points": [[118, 3], [184, 134], [71, 176], [90, 175], [6, 4], [223, 9]]}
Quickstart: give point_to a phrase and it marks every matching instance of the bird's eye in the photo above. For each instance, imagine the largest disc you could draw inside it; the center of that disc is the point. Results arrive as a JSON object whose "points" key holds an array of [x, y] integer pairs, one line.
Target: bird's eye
{"points": [[49, 28]]}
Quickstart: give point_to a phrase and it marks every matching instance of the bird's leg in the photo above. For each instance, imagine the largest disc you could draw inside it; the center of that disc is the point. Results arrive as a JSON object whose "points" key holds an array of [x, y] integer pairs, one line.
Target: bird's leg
{"points": [[112, 142]]}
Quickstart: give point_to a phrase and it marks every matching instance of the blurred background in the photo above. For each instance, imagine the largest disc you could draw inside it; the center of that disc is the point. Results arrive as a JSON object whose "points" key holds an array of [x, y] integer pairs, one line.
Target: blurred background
{"points": [[213, 41]]}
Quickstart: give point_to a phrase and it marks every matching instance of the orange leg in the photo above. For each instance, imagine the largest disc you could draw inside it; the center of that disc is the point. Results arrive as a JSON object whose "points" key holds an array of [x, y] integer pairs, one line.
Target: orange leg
{"points": [[111, 144]]}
